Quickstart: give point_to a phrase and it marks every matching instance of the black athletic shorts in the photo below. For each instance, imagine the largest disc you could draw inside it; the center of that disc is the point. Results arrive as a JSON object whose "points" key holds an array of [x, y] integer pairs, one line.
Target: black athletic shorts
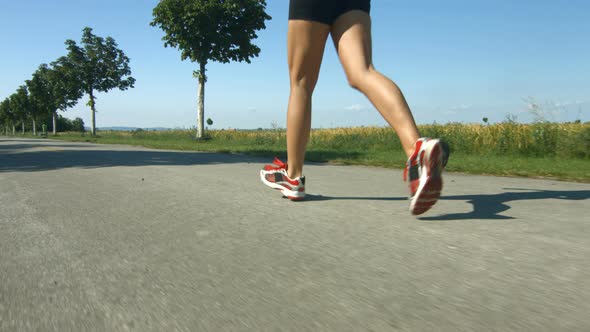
{"points": [[325, 11]]}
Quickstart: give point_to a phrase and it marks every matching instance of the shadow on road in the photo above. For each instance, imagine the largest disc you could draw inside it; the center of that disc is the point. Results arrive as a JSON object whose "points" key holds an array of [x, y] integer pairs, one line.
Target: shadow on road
{"points": [[58, 159], [484, 206], [319, 198], [21, 146], [15, 157], [489, 206]]}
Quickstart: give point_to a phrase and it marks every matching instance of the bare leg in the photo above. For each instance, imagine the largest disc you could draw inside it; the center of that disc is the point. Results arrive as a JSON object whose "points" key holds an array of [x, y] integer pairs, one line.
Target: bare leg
{"points": [[351, 34], [305, 47]]}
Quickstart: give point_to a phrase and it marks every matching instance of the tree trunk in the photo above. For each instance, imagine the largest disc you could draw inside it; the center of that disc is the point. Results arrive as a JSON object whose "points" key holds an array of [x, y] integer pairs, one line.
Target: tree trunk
{"points": [[23, 126], [54, 123], [34, 128], [13, 130], [201, 98], [92, 104]]}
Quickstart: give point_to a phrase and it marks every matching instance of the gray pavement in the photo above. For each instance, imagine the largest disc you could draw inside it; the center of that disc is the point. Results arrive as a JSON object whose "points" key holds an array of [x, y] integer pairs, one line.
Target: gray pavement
{"points": [[116, 238]]}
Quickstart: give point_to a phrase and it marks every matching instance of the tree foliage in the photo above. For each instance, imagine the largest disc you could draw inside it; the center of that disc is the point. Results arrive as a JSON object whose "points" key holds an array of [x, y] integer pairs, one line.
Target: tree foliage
{"points": [[66, 88], [78, 125], [211, 30], [19, 102], [6, 114], [99, 65], [40, 94], [217, 30]]}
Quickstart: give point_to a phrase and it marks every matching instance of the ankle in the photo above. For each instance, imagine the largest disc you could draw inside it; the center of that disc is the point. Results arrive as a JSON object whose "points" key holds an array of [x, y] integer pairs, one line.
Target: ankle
{"points": [[410, 151], [293, 175]]}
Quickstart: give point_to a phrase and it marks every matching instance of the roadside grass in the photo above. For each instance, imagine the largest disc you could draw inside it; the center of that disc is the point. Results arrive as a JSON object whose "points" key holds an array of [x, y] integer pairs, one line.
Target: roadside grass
{"points": [[555, 151]]}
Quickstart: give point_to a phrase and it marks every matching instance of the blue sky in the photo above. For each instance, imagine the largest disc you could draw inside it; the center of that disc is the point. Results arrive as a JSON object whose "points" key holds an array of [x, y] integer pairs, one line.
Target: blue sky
{"points": [[454, 60]]}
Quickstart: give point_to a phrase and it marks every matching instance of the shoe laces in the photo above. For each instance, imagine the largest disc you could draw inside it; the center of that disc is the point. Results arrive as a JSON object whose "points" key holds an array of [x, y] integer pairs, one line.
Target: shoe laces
{"points": [[279, 163], [276, 165]]}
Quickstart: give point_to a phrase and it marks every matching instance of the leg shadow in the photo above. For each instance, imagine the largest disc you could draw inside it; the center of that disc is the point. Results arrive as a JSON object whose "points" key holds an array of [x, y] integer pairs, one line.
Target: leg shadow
{"points": [[320, 198], [490, 206]]}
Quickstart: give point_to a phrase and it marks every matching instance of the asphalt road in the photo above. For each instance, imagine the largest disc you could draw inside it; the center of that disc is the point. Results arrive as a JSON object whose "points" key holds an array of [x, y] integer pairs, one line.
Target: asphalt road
{"points": [[115, 238]]}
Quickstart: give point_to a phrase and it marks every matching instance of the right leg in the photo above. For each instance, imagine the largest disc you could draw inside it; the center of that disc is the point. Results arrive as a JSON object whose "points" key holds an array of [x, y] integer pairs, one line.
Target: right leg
{"points": [[306, 41], [351, 34], [426, 158]]}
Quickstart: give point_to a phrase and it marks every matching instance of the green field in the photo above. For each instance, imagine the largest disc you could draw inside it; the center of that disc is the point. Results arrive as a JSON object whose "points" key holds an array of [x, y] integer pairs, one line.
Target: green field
{"points": [[557, 151]]}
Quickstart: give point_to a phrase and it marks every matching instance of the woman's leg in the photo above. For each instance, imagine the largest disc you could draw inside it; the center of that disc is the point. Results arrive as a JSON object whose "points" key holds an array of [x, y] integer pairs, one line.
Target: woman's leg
{"points": [[306, 41], [351, 34]]}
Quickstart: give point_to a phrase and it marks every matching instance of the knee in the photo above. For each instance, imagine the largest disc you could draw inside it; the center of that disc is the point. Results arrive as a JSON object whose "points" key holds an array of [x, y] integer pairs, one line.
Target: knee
{"points": [[357, 79], [303, 82]]}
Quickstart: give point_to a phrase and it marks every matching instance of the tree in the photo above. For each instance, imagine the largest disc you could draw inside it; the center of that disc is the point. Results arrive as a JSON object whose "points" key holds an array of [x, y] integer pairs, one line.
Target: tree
{"points": [[211, 30], [19, 102], [40, 95], [4, 116], [7, 115], [100, 66], [65, 87], [78, 125]]}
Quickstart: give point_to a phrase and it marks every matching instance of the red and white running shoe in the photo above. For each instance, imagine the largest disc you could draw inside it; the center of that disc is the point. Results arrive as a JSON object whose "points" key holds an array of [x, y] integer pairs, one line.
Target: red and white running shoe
{"points": [[424, 173], [276, 177]]}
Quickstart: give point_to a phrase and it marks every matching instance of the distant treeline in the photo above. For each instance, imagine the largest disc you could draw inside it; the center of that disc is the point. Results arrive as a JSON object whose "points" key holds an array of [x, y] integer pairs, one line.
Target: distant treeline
{"points": [[98, 65]]}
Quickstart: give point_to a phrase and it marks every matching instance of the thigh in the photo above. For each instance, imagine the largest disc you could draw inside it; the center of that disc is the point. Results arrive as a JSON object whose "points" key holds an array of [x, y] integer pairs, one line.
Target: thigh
{"points": [[351, 34], [306, 41]]}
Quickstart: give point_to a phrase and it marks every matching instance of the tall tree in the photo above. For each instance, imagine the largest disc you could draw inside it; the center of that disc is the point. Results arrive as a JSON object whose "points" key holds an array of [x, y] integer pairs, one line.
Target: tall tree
{"points": [[19, 102], [211, 30], [66, 89], [100, 66], [40, 94], [4, 115], [7, 115]]}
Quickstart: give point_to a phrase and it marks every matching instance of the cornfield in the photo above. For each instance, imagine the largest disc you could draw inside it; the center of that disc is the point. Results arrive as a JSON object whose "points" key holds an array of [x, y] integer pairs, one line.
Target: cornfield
{"points": [[540, 140], [567, 140]]}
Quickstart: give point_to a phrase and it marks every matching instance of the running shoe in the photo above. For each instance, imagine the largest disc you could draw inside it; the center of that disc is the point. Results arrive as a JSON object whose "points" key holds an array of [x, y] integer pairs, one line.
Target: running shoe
{"points": [[275, 176], [424, 173]]}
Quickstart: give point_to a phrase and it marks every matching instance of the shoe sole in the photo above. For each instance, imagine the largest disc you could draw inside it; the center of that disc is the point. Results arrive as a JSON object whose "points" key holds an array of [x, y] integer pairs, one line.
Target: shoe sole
{"points": [[290, 194], [431, 182]]}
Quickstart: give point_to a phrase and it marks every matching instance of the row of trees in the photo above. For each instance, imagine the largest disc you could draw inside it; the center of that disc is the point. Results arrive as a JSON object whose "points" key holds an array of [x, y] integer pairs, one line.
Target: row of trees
{"points": [[98, 65], [203, 30]]}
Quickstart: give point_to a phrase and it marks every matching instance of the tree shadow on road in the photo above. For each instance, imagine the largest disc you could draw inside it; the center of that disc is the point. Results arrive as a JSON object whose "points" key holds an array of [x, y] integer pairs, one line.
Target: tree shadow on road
{"points": [[58, 159], [32, 156], [28, 156], [491, 205], [24, 145]]}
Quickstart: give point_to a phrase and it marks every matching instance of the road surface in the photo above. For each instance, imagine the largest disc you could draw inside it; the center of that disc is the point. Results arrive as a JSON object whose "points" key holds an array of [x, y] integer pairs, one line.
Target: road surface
{"points": [[117, 238]]}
